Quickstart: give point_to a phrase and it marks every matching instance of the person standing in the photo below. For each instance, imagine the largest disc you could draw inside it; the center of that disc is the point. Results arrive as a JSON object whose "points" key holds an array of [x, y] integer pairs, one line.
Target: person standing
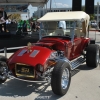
{"points": [[3, 17], [99, 24], [34, 26], [62, 24], [24, 26]]}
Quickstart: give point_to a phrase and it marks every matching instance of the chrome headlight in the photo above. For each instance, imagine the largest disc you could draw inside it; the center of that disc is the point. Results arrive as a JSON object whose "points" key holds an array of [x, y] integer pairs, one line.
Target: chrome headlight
{"points": [[40, 68]]}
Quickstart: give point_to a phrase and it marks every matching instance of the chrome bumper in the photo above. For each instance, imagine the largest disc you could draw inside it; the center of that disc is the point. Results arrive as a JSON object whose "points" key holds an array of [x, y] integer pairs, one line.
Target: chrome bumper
{"points": [[12, 77]]}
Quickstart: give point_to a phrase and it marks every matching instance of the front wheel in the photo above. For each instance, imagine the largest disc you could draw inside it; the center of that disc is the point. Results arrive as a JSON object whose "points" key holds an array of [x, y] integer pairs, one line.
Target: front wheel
{"points": [[61, 77], [3, 72], [92, 55], [3, 69]]}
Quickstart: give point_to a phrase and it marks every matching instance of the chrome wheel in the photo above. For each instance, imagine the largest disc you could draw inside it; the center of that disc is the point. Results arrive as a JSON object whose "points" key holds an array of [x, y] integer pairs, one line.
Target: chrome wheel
{"points": [[97, 57], [61, 78], [65, 78], [3, 72]]}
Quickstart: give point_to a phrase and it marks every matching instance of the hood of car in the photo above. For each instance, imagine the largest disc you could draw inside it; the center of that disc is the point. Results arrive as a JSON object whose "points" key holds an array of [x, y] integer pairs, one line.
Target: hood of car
{"points": [[33, 56]]}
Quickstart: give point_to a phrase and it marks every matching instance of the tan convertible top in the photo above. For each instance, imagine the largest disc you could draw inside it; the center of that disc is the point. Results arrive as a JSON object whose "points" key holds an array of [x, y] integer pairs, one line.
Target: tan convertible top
{"points": [[67, 16], [58, 16]]}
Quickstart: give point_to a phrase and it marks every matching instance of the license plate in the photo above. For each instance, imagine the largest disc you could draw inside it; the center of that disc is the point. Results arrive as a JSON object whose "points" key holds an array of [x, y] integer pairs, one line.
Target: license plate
{"points": [[24, 70]]}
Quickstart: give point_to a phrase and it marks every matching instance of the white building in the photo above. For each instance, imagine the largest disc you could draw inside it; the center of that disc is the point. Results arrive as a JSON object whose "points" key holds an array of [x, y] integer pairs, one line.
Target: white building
{"points": [[41, 11], [29, 14]]}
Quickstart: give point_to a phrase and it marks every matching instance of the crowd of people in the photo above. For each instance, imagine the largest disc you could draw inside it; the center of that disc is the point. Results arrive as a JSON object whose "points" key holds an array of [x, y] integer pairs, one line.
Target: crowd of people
{"points": [[3, 18], [35, 26], [29, 26], [25, 25], [22, 25]]}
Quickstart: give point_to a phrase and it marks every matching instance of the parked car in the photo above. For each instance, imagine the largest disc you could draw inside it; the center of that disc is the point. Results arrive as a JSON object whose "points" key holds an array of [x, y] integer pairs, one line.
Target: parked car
{"points": [[94, 24], [57, 52]]}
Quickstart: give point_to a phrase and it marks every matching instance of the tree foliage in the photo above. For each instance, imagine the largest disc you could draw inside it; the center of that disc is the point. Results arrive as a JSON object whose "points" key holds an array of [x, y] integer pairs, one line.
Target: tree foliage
{"points": [[16, 17], [92, 16]]}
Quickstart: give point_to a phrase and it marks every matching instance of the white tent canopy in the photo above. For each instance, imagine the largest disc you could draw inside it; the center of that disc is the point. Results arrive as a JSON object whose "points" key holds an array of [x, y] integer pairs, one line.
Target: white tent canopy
{"points": [[35, 3]]}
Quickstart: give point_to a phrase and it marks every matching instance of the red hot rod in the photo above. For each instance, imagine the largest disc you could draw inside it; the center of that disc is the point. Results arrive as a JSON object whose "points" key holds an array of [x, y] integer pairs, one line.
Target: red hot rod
{"points": [[57, 52]]}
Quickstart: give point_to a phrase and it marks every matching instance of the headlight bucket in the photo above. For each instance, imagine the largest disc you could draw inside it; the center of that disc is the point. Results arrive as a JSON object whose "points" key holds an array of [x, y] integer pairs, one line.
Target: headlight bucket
{"points": [[40, 68]]}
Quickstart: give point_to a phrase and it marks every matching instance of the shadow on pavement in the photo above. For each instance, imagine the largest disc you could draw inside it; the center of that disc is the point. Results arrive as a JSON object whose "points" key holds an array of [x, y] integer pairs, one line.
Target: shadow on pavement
{"points": [[83, 67], [15, 88]]}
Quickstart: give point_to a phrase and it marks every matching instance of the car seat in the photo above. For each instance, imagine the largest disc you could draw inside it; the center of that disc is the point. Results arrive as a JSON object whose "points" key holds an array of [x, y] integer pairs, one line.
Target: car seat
{"points": [[59, 32]]}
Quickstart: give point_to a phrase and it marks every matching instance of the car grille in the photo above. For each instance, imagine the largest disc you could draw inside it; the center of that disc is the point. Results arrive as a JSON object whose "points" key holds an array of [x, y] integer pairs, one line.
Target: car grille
{"points": [[23, 70]]}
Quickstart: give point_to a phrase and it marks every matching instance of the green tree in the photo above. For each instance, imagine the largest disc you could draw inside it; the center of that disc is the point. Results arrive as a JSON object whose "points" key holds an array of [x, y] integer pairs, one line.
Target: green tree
{"points": [[16, 17], [92, 17], [83, 8]]}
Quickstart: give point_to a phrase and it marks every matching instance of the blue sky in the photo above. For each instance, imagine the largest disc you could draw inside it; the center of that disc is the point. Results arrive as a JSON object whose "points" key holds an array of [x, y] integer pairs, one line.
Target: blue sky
{"points": [[65, 3], [60, 4]]}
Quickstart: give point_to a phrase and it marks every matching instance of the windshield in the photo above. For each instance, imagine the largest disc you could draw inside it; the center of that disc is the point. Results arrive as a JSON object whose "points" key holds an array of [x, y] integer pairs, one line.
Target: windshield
{"points": [[60, 28]]}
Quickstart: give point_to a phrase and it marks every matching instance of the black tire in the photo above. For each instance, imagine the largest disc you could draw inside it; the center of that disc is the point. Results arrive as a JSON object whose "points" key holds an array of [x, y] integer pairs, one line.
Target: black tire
{"points": [[92, 41], [92, 55], [3, 61], [3, 58], [56, 78]]}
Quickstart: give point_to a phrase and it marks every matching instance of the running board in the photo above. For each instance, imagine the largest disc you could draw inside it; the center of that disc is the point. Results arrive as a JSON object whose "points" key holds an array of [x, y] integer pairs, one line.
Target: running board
{"points": [[77, 62]]}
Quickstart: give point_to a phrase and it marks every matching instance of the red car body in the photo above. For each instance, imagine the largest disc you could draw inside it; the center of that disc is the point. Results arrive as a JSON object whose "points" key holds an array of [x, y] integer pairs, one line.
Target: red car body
{"points": [[44, 48]]}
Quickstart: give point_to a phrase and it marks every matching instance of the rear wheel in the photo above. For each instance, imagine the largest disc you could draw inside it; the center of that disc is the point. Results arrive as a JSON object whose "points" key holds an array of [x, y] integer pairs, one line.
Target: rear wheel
{"points": [[61, 77], [92, 55]]}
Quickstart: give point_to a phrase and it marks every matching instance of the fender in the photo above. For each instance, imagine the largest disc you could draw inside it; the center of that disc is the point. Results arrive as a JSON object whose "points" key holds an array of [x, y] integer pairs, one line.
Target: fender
{"points": [[85, 43], [67, 61]]}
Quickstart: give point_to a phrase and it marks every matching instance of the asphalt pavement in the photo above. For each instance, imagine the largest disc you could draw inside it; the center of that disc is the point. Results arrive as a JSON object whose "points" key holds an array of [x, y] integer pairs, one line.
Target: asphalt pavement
{"points": [[85, 85]]}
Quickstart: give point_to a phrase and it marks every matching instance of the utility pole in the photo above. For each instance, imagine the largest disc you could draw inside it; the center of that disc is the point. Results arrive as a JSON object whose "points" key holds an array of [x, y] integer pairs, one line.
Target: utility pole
{"points": [[46, 7], [28, 13], [50, 4], [97, 12]]}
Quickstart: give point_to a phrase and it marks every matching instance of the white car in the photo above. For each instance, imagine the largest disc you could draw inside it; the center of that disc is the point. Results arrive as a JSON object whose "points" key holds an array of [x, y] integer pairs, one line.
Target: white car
{"points": [[94, 24]]}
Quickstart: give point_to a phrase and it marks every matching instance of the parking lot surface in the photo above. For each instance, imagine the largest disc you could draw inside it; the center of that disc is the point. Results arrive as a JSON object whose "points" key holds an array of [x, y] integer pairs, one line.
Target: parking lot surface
{"points": [[85, 85]]}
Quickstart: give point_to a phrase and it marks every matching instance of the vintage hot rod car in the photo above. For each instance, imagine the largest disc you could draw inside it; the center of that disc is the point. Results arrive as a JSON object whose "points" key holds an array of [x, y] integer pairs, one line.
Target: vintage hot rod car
{"points": [[56, 53]]}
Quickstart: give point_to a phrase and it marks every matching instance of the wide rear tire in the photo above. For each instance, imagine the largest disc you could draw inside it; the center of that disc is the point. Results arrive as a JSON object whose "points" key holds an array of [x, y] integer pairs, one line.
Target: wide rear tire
{"points": [[92, 55], [61, 78]]}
